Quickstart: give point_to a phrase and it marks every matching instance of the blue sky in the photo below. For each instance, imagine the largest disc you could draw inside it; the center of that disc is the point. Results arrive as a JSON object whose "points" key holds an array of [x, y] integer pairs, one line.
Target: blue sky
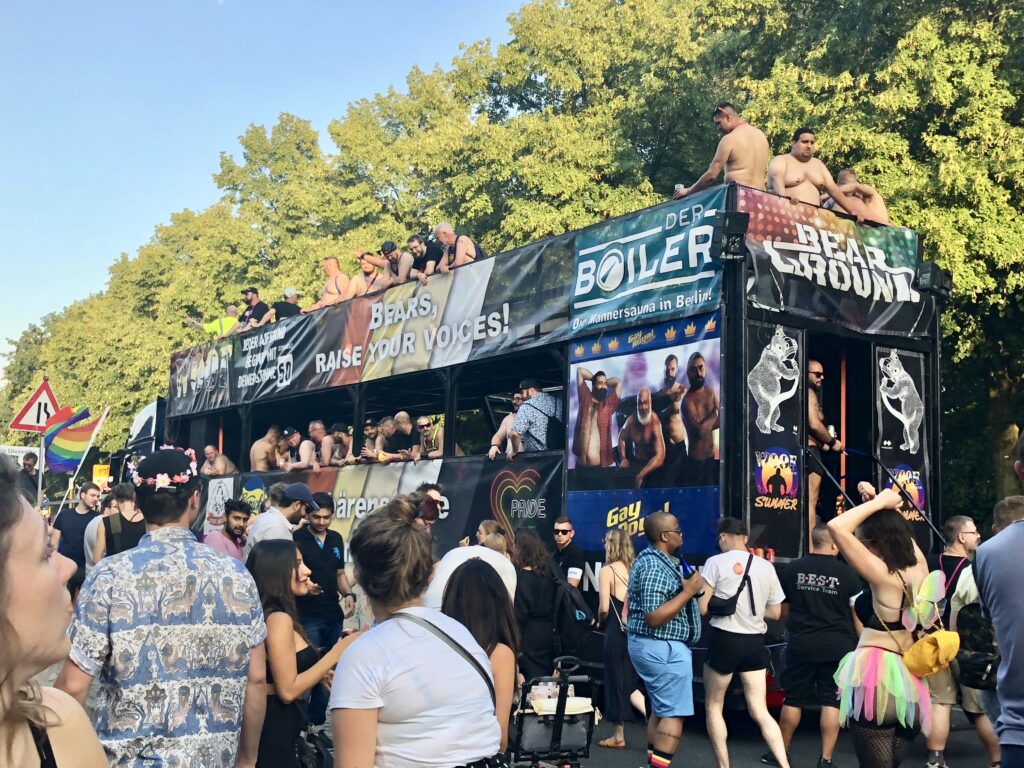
{"points": [[114, 113]]}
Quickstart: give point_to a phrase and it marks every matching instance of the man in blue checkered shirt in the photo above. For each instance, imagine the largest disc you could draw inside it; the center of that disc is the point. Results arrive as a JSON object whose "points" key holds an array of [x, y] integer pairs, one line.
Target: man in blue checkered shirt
{"points": [[663, 622]]}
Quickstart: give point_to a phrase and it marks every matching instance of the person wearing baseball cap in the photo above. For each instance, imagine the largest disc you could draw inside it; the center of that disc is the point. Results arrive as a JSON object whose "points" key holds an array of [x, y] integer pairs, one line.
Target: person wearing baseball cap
{"points": [[398, 265], [215, 607], [287, 308], [256, 312], [287, 507]]}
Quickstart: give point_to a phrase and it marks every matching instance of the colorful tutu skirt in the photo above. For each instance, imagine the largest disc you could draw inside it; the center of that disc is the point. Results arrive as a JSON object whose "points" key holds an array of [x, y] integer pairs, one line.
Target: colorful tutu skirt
{"points": [[874, 684]]}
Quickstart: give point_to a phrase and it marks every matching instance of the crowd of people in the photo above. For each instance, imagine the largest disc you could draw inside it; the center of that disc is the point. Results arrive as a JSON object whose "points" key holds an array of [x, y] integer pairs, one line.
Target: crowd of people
{"points": [[389, 267], [396, 438], [232, 650]]}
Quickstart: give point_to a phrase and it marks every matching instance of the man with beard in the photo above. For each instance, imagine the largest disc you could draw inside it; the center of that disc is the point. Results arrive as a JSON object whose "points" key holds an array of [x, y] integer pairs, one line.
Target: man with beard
{"points": [[592, 441], [369, 279], [701, 417], [425, 256], [337, 287], [500, 441], [231, 539], [818, 438], [70, 527], [301, 453], [667, 404], [372, 442], [642, 432]]}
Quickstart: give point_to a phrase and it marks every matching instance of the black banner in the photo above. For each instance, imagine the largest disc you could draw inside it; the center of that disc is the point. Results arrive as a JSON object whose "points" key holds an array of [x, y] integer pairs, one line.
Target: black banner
{"points": [[813, 263], [776, 409], [902, 444]]}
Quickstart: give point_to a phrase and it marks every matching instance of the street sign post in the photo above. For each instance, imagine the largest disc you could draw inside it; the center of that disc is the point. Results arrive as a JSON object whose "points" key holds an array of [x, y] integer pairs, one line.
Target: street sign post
{"points": [[37, 411]]}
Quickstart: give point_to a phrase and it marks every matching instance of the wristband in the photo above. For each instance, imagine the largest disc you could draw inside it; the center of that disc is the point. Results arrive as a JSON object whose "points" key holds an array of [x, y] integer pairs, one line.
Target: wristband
{"points": [[832, 442]]}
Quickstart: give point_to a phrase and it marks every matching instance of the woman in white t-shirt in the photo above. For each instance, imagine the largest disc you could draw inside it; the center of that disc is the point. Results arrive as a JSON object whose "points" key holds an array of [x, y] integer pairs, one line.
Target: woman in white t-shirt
{"points": [[403, 696], [736, 642]]}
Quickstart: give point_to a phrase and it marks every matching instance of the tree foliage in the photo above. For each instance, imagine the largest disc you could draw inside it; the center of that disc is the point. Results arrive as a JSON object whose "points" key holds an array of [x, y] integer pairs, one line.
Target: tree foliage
{"points": [[595, 108]]}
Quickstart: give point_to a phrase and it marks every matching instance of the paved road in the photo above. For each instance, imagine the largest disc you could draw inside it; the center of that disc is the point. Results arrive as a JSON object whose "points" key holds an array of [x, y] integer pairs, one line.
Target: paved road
{"points": [[746, 747]]}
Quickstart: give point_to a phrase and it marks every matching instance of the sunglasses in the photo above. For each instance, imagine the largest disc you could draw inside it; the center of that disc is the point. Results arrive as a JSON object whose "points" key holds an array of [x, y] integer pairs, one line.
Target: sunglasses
{"points": [[816, 374], [563, 531], [423, 426]]}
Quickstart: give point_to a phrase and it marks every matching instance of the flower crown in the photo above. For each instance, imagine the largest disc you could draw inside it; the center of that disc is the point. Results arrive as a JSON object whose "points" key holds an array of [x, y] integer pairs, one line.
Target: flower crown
{"points": [[163, 480]]}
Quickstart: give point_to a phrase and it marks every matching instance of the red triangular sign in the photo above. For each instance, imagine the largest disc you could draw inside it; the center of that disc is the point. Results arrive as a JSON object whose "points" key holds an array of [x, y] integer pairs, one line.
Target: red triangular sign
{"points": [[39, 409]]}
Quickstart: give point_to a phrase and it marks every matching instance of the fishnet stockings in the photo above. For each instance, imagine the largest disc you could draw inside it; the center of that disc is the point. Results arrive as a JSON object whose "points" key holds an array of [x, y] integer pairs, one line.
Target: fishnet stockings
{"points": [[880, 746]]}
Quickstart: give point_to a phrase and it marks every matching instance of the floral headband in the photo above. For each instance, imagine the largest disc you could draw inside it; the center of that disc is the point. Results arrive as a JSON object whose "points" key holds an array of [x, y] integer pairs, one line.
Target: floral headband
{"points": [[163, 480]]}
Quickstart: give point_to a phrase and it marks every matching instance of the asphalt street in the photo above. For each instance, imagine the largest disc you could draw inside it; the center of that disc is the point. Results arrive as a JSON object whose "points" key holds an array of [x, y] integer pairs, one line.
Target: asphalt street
{"points": [[746, 746]]}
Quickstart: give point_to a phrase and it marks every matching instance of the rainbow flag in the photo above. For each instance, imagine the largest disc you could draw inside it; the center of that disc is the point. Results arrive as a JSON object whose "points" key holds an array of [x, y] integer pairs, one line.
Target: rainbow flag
{"points": [[66, 439]]}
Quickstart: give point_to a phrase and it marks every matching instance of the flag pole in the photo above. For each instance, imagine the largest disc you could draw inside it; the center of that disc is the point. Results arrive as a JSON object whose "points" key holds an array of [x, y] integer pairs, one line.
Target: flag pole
{"points": [[92, 438]]}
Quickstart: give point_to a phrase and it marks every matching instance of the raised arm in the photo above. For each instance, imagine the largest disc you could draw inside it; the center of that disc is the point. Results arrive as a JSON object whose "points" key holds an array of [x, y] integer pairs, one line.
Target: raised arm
{"points": [[837, 194], [718, 163], [843, 527]]}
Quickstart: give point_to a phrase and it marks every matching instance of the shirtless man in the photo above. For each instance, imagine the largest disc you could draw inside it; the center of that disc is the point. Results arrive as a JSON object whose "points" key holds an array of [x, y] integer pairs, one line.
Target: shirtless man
{"points": [[598, 401], [216, 463], [801, 177], [369, 280], [701, 413], [323, 442], [337, 287], [743, 152], [818, 438], [341, 454], [373, 442], [499, 440], [642, 432], [868, 204], [263, 454], [668, 403]]}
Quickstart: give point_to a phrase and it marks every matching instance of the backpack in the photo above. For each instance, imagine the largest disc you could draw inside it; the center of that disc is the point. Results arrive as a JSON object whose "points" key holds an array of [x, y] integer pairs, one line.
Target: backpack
{"points": [[978, 656], [573, 619], [555, 439]]}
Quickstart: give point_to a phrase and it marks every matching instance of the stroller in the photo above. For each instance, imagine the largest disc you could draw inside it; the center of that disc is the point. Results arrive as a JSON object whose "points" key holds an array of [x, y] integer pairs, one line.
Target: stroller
{"points": [[557, 730]]}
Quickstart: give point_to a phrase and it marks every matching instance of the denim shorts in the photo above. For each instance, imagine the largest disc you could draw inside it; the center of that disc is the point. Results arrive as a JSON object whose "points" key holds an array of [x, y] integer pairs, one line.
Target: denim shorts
{"points": [[666, 667]]}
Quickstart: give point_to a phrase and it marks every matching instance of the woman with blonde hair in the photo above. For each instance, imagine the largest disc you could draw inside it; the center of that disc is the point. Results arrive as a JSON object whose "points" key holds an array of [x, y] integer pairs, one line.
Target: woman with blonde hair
{"points": [[620, 681], [38, 727], [495, 541]]}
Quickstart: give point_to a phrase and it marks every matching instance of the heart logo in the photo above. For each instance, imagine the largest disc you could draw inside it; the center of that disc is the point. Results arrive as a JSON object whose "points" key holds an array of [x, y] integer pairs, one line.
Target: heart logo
{"points": [[506, 488]]}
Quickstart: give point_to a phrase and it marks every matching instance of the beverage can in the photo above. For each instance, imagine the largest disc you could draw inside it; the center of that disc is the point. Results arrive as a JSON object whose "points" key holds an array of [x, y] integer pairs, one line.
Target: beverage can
{"points": [[771, 555], [759, 552]]}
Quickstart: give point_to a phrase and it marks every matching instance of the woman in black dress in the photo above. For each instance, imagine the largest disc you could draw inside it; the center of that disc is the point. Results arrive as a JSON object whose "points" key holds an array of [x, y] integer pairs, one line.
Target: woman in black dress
{"points": [[620, 681], [535, 599], [293, 665]]}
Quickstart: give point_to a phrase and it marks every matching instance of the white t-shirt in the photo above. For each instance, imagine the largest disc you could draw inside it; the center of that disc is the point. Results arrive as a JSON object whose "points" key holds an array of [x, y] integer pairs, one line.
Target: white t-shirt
{"points": [[272, 524], [724, 573], [92, 532], [456, 557], [435, 709]]}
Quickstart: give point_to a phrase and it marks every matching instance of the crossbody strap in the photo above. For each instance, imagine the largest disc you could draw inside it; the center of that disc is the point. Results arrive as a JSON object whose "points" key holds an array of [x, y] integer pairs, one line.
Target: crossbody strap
{"points": [[430, 627]]}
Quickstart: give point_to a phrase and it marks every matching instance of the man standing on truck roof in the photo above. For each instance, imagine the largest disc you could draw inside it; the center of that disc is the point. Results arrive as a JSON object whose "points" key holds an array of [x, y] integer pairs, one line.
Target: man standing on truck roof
{"points": [[743, 152], [820, 591], [802, 177], [337, 287], [868, 204]]}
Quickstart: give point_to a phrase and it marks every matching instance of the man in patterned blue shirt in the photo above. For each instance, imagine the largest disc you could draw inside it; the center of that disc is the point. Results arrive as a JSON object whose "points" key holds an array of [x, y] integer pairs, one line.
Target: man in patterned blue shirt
{"points": [[663, 621], [174, 630]]}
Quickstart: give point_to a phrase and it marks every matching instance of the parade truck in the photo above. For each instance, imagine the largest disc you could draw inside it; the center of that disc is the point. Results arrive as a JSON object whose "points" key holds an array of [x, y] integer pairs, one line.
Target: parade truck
{"points": [[700, 317]]}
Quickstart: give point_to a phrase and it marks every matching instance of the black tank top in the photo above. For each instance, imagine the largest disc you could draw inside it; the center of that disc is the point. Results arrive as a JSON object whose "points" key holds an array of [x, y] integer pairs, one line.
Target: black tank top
{"points": [[129, 535]]}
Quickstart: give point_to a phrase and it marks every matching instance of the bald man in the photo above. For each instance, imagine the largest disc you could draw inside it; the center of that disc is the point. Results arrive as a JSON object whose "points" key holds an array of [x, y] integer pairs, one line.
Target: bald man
{"points": [[743, 152], [641, 438], [663, 621], [216, 463], [802, 177], [337, 287]]}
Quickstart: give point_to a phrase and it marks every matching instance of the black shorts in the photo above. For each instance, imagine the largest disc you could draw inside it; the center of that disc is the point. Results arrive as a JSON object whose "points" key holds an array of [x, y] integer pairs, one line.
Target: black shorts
{"points": [[810, 682], [730, 652]]}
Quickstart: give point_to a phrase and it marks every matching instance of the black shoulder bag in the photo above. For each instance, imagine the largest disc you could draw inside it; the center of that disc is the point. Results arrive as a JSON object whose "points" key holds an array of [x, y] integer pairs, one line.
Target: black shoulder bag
{"points": [[726, 606]]}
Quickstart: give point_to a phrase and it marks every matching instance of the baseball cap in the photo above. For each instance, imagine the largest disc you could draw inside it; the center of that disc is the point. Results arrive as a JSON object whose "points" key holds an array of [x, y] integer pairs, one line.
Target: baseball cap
{"points": [[250, 289], [338, 426], [300, 492], [388, 247], [289, 431], [290, 292], [370, 423], [529, 384]]}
